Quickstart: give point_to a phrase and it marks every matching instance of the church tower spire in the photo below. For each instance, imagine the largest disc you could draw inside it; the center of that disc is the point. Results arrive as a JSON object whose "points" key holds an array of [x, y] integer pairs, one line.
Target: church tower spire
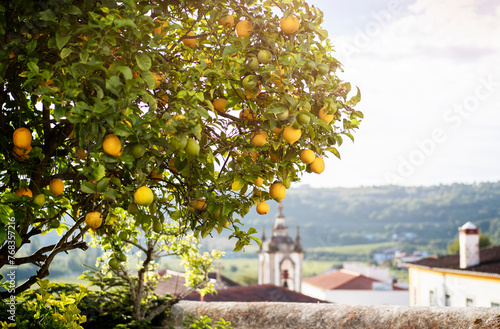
{"points": [[280, 257]]}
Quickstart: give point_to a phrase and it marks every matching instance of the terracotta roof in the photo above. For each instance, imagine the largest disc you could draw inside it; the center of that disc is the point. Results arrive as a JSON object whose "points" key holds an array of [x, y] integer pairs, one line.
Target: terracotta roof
{"points": [[175, 285], [489, 262], [345, 280], [256, 293]]}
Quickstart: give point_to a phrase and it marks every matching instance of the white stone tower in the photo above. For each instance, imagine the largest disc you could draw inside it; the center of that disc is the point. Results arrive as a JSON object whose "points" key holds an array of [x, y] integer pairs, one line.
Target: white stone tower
{"points": [[468, 239], [280, 257]]}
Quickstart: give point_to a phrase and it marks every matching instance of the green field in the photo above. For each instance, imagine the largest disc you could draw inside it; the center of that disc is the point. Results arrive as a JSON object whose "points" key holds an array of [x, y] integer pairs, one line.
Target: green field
{"points": [[355, 249], [244, 270]]}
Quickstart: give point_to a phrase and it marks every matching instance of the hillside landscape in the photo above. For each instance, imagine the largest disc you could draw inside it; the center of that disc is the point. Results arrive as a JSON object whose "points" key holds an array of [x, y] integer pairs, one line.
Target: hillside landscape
{"points": [[348, 224], [427, 217]]}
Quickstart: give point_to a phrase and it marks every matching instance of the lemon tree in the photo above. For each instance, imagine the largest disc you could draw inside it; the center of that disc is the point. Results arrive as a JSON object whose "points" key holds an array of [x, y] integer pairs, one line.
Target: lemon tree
{"points": [[218, 125]]}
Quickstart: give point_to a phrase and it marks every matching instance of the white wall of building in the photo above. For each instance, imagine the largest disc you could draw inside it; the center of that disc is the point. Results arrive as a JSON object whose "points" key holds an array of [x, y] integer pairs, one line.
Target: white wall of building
{"points": [[358, 297], [371, 271], [430, 288]]}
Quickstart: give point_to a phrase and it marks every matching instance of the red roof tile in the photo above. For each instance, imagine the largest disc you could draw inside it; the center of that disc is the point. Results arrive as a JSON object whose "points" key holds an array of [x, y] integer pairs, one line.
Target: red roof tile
{"points": [[343, 279], [256, 293]]}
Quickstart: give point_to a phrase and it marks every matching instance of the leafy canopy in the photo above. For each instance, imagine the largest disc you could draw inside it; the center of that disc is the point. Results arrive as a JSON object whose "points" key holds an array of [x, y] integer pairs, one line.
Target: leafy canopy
{"points": [[148, 72]]}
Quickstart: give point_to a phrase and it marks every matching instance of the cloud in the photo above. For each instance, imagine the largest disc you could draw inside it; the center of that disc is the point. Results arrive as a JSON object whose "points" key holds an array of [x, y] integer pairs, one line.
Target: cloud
{"points": [[419, 70]]}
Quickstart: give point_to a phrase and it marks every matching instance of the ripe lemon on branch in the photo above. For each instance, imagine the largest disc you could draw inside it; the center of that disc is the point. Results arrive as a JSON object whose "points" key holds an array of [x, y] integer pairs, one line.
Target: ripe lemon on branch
{"points": [[262, 208], [289, 24], [56, 186], [24, 191], [93, 220], [277, 191], [22, 138], [112, 145], [143, 196], [318, 165]]}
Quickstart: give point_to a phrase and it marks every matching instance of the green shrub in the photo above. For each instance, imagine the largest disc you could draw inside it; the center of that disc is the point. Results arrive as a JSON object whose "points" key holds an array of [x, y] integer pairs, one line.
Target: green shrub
{"points": [[46, 308]]}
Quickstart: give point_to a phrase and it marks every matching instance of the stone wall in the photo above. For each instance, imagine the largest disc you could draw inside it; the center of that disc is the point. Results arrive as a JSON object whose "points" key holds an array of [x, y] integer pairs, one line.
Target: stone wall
{"points": [[312, 316]]}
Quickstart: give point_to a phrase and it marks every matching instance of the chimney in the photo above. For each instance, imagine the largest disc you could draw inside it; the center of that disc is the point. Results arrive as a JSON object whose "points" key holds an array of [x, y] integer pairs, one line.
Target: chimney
{"points": [[468, 238]]}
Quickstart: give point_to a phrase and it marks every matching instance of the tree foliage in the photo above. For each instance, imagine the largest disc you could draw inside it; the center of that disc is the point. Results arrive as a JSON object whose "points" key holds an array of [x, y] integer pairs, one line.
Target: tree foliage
{"points": [[119, 94], [484, 241]]}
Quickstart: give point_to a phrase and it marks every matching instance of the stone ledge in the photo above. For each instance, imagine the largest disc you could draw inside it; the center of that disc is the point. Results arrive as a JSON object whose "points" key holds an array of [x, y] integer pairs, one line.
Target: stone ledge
{"points": [[310, 316]]}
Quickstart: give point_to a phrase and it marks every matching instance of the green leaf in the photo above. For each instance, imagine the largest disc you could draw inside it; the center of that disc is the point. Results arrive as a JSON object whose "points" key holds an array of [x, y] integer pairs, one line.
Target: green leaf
{"points": [[126, 71], [149, 79], [98, 172], [292, 100], [65, 52], [238, 183], [10, 197], [61, 40], [31, 46], [33, 67], [88, 187], [101, 186], [334, 151], [6, 213], [143, 61], [276, 108], [228, 51], [48, 15]]}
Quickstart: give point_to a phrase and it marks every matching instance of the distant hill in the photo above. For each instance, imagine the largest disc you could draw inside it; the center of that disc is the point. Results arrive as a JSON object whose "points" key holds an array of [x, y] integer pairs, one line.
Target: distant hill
{"points": [[414, 216], [425, 218]]}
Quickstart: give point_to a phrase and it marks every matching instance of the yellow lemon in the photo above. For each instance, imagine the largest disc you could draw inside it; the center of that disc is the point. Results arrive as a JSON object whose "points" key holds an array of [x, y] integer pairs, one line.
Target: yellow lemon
{"points": [[190, 42], [159, 78], [56, 186], [198, 204], [244, 28], [277, 191], [291, 134], [325, 117], [262, 208], [220, 105], [22, 138], [258, 181], [163, 25], [93, 219], [247, 114], [24, 191], [318, 165], [277, 130], [143, 196], [259, 138], [112, 145], [227, 21], [307, 156], [289, 24], [21, 154]]}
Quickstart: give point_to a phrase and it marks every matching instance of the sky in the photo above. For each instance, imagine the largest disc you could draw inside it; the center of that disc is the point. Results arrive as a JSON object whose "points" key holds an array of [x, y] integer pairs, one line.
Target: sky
{"points": [[429, 74]]}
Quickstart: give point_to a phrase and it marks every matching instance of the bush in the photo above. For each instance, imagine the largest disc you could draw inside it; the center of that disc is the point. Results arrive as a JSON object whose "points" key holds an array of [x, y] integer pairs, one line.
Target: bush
{"points": [[47, 307]]}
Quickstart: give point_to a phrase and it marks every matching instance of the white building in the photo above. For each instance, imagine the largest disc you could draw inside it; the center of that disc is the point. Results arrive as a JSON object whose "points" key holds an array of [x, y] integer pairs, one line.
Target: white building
{"points": [[352, 288], [470, 278], [280, 257]]}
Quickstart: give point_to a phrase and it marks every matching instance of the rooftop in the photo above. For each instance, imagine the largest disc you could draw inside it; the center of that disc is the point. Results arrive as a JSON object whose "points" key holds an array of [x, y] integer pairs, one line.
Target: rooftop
{"points": [[489, 263], [255, 293], [345, 280], [175, 285]]}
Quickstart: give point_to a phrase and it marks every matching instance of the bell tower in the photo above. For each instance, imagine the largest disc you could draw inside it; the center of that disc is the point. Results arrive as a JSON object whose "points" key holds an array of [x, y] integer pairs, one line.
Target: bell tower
{"points": [[280, 257]]}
